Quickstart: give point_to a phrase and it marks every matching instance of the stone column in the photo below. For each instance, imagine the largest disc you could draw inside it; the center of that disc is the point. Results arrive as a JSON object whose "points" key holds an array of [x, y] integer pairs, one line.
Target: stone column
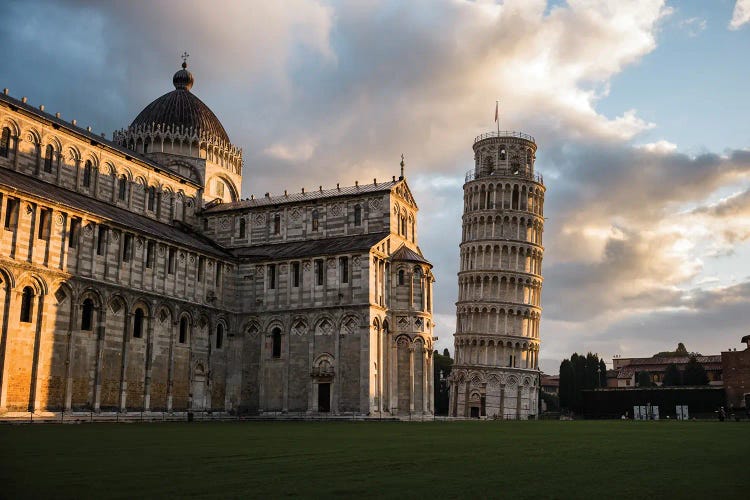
{"points": [[16, 143], [393, 383], [149, 364], [100, 334], [69, 356], [502, 402], [124, 365], [170, 366], [411, 378], [39, 328], [518, 401]]}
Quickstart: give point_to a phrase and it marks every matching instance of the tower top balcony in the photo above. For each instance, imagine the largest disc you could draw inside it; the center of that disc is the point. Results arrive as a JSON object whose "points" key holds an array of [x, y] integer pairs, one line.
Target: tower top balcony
{"points": [[503, 134]]}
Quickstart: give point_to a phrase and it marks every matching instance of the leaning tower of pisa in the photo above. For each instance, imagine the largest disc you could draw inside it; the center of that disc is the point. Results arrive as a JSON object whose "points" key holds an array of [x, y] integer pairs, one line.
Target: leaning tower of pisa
{"points": [[495, 373]]}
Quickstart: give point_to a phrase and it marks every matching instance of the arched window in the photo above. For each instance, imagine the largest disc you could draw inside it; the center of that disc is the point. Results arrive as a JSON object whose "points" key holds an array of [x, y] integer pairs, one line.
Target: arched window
{"points": [[219, 335], [48, 154], [503, 153], [242, 227], [87, 174], [138, 323], [146, 145], [315, 220], [151, 198], [5, 142], [400, 276], [87, 315], [27, 304], [276, 336], [357, 215], [183, 330], [277, 224], [515, 198], [122, 187]]}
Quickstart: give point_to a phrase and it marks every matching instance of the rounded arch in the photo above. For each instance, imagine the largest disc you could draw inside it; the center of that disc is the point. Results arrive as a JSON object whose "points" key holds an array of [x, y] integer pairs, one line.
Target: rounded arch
{"points": [[228, 182]]}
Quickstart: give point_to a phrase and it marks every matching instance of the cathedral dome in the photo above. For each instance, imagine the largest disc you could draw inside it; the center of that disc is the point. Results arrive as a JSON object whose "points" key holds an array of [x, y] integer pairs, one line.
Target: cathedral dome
{"points": [[181, 108]]}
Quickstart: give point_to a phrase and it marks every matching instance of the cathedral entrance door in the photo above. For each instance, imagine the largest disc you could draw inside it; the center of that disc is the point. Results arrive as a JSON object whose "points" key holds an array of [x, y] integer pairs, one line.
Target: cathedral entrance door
{"points": [[474, 412], [324, 397]]}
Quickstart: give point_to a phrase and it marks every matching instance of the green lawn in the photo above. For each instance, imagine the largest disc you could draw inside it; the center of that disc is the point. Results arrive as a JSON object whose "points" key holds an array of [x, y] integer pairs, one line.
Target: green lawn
{"points": [[545, 459]]}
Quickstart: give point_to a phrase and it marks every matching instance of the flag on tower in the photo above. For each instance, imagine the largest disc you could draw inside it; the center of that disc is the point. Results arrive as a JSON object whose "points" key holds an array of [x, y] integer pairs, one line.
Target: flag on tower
{"points": [[497, 103]]}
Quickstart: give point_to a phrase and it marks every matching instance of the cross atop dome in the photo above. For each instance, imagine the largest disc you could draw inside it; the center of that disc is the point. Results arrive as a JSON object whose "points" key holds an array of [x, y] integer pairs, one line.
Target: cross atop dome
{"points": [[184, 57]]}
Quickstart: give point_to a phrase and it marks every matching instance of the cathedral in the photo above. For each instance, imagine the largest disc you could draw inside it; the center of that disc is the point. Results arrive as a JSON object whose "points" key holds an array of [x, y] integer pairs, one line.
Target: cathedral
{"points": [[134, 277]]}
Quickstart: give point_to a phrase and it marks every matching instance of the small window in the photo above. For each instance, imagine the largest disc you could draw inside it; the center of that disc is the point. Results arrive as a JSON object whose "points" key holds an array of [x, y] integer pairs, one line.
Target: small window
{"points": [[205, 224], [271, 276], [277, 224], [87, 174], [201, 267], [315, 220], [344, 269], [242, 228], [171, 260], [122, 187], [48, 154], [400, 276], [138, 323], [127, 247], [295, 274], [319, 272], [87, 315], [75, 232], [27, 304], [219, 336], [503, 153], [101, 240], [357, 215], [217, 282], [145, 146], [151, 199], [11, 213], [219, 188], [183, 330], [45, 220], [5, 142], [150, 247], [276, 336]]}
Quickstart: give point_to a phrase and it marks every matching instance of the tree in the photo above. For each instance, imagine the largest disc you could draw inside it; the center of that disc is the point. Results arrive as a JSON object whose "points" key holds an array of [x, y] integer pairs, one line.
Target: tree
{"points": [[442, 365], [567, 384], [577, 374], [694, 373], [643, 379], [602, 373], [672, 376]]}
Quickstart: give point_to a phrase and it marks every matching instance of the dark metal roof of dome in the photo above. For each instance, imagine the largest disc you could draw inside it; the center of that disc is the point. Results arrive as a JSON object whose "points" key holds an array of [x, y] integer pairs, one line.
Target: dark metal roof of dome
{"points": [[181, 108]]}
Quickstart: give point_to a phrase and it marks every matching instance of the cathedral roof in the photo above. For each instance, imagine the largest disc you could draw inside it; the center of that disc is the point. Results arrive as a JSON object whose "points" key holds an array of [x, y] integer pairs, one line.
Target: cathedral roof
{"points": [[304, 196], [107, 211], [181, 108], [407, 254]]}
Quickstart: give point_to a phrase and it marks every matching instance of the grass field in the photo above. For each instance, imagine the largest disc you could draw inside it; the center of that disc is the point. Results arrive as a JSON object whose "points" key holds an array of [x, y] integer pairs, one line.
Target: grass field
{"points": [[546, 459]]}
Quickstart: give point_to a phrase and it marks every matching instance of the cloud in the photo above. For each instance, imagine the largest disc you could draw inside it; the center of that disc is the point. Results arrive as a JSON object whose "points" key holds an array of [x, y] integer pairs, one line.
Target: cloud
{"points": [[693, 26], [741, 14]]}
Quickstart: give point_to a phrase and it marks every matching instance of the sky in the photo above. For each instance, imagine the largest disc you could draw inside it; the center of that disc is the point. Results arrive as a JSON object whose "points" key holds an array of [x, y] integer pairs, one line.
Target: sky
{"points": [[639, 110]]}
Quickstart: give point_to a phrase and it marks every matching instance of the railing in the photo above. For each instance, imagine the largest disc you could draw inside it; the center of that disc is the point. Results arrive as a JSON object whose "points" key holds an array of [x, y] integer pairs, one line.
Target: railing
{"points": [[504, 133], [523, 174]]}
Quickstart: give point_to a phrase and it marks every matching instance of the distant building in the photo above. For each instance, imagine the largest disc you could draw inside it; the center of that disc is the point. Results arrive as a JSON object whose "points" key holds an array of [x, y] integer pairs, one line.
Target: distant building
{"points": [[628, 368], [736, 374], [551, 384]]}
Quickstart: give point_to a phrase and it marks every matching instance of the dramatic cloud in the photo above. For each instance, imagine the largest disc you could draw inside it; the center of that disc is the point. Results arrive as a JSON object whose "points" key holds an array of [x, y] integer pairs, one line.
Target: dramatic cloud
{"points": [[319, 93], [741, 14]]}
